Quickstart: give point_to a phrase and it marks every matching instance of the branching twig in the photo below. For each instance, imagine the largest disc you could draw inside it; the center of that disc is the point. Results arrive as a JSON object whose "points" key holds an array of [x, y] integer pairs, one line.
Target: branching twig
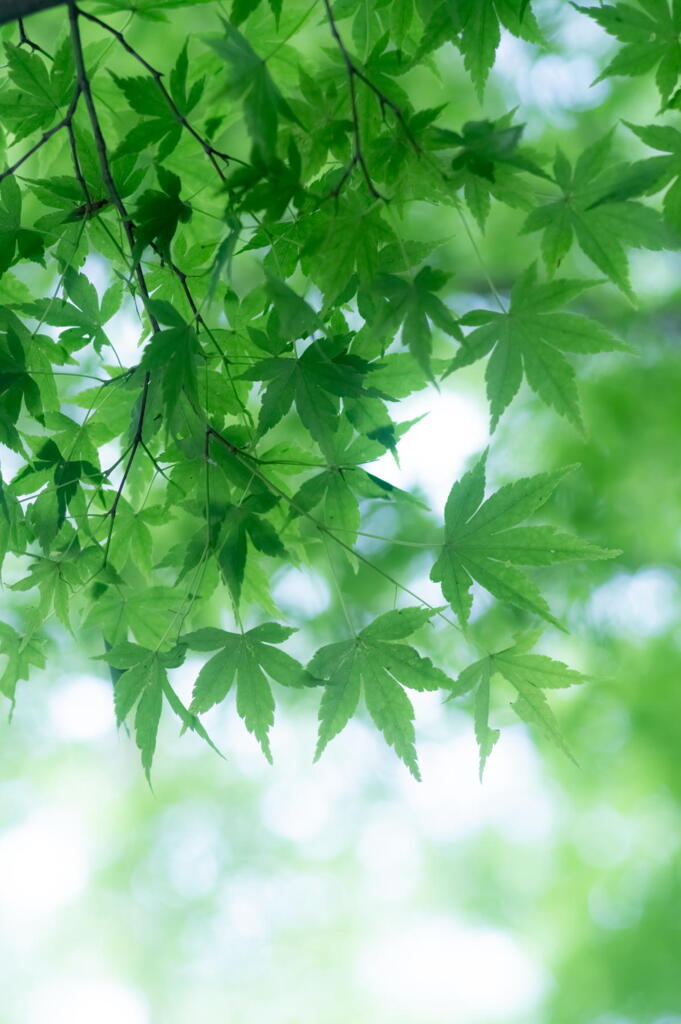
{"points": [[322, 527], [100, 144], [65, 122], [25, 41], [128, 227], [134, 445], [354, 72], [211, 152]]}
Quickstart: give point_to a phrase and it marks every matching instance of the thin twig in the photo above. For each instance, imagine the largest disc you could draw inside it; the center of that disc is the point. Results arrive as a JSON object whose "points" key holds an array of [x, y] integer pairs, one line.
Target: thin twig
{"points": [[210, 151], [100, 145], [25, 41], [135, 444], [322, 527], [45, 137], [128, 227], [355, 72]]}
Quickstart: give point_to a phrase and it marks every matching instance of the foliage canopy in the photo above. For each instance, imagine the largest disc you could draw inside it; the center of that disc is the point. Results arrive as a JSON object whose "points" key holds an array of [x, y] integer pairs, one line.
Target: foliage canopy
{"points": [[254, 203]]}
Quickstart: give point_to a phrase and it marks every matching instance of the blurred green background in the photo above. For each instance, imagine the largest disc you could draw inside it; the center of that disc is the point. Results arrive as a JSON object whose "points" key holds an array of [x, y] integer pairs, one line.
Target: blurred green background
{"points": [[346, 891]]}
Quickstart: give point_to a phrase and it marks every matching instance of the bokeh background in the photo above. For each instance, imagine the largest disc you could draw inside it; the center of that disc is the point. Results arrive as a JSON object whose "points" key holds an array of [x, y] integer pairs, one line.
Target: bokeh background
{"points": [[346, 891]]}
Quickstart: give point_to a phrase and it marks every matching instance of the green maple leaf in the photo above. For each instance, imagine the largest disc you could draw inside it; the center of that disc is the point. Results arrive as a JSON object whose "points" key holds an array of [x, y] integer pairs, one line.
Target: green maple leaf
{"points": [[237, 524], [158, 214], [139, 687], [377, 664], [340, 507], [316, 381], [11, 524], [531, 339], [35, 101], [650, 38], [529, 674], [146, 611], [393, 301], [57, 579], [173, 353], [476, 679], [16, 242], [483, 542], [481, 22], [295, 317], [141, 678], [486, 162], [250, 81], [16, 386], [21, 653], [666, 139], [341, 241], [250, 658], [603, 227], [160, 124]]}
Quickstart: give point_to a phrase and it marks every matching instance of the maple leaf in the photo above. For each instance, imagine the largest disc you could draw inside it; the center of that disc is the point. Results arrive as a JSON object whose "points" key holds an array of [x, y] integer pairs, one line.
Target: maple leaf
{"points": [[173, 354], [529, 674], [486, 162], [666, 139], [249, 658], [603, 227], [650, 34], [531, 338], [35, 100], [378, 665], [483, 542], [251, 81], [237, 523], [16, 242], [324, 373], [158, 214], [481, 22], [341, 242], [393, 301], [21, 653]]}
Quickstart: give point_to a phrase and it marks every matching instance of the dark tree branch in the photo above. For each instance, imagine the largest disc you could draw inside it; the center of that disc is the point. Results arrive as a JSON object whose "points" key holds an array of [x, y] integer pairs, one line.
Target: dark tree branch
{"points": [[11, 10], [25, 41], [77, 170], [103, 158], [128, 227], [210, 151]]}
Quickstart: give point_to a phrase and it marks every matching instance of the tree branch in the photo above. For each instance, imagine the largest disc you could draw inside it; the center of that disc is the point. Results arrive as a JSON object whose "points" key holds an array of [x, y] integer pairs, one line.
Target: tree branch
{"points": [[354, 72], [102, 156], [13, 9], [100, 144], [136, 442], [65, 122], [25, 41], [210, 151]]}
